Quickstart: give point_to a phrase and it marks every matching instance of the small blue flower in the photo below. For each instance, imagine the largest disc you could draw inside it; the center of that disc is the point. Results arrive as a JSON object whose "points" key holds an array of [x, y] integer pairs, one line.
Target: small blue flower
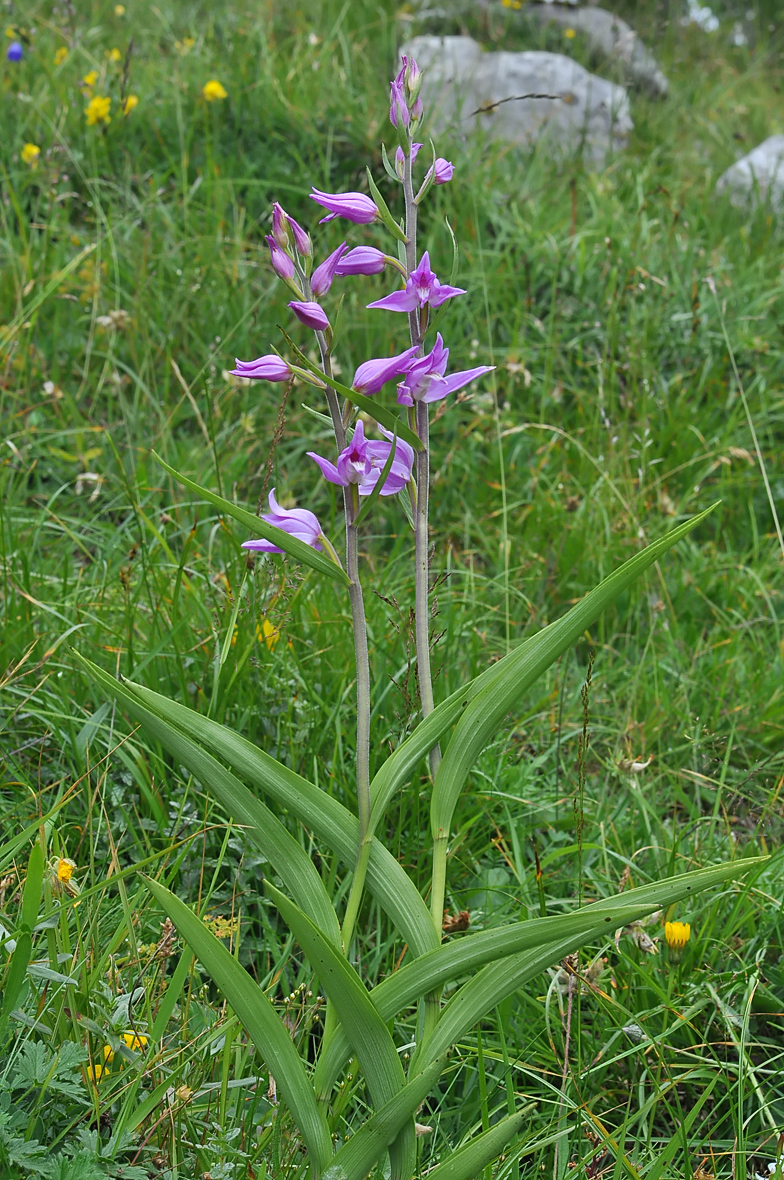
{"points": [[15, 51]]}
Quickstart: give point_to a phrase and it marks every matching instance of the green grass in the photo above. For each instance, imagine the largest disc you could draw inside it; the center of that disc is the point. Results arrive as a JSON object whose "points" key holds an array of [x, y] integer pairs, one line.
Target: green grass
{"points": [[617, 415]]}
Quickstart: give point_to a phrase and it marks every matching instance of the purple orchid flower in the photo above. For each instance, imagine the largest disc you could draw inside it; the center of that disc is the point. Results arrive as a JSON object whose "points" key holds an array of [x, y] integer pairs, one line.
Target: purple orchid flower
{"points": [[281, 224], [362, 260], [297, 522], [372, 375], [400, 158], [264, 368], [422, 288], [354, 207], [325, 273], [425, 379], [444, 169], [281, 263], [312, 315], [398, 107], [362, 462], [15, 51]]}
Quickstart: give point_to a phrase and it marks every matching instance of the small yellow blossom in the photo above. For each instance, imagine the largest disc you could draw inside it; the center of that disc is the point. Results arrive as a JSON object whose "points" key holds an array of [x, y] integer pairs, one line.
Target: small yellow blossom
{"points": [[515, 4], [60, 55], [268, 633], [677, 935], [119, 10], [185, 46], [212, 90], [10, 31], [30, 153], [184, 1093], [95, 1072], [129, 102], [114, 54], [98, 110], [91, 78], [569, 33], [108, 1054], [65, 868], [134, 1041]]}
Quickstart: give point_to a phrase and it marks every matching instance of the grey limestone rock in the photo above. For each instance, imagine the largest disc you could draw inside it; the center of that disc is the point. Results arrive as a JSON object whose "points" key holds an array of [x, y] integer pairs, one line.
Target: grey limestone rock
{"points": [[465, 89], [610, 36], [759, 176]]}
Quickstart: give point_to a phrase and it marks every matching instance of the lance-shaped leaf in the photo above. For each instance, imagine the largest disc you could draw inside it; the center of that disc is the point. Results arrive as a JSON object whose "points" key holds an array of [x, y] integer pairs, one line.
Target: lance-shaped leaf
{"points": [[355, 1160], [286, 855], [328, 819], [468, 1161], [369, 1036], [513, 675], [291, 545], [258, 1017], [499, 980], [462, 956]]}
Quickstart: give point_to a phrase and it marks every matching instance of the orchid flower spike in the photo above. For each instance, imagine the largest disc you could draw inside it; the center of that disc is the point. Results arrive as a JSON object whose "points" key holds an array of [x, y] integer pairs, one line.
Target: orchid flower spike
{"points": [[354, 207], [422, 288], [297, 522]]}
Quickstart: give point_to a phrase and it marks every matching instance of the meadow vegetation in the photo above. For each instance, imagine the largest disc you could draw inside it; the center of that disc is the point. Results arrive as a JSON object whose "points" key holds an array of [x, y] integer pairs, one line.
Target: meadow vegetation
{"points": [[134, 271]]}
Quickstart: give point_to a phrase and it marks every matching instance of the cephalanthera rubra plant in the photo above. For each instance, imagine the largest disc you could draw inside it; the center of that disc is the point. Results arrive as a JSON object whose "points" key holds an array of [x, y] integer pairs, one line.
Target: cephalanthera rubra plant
{"points": [[491, 964]]}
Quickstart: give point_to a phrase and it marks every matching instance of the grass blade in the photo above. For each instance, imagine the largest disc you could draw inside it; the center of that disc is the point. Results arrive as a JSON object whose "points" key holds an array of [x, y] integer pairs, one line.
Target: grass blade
{"points": [[267, 1031], [291, 545], [468, 1161]]}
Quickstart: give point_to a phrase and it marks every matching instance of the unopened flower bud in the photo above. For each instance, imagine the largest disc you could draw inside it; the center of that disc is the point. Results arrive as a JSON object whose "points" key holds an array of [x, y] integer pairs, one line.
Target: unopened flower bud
{"points": [[400, 158], [281, 262], [301, 238], [325, 273], [444, 171], [413, 79], [312, 315], [280, 227]]}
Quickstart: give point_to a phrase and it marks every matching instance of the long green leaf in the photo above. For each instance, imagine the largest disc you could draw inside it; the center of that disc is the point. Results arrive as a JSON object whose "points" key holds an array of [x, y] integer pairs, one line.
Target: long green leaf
{"points": [[555, 638], [482, 718], [34, 882], [355, 1159], [17, 970], [258, 1017], [667, 1154], [329, 820], [291, 545], [499, 980], [369, 1036], [468, 1161], [286, 855]]}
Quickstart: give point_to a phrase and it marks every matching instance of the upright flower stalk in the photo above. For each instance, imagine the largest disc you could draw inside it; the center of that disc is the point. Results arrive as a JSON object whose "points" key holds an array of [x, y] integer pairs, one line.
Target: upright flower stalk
{"points": [[363, 464]]}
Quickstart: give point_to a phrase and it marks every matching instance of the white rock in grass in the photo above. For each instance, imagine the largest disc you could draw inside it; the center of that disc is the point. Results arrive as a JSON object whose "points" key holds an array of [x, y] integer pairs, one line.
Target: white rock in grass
{"points": [[465, 89], [759, 176], [611, 37]]}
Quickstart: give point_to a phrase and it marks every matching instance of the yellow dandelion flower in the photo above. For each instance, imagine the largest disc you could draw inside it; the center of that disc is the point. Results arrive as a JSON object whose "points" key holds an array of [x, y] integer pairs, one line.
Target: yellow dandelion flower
{"points": [[119, 10], [97, 110], [569, 34], [95, 1072], [91, 78], [213, 90], [114, 54], [60, 55], [129, 102], [108, 1054], [30, 153], [677, 935], [134, 1041], [268, 633], [65, 868]]}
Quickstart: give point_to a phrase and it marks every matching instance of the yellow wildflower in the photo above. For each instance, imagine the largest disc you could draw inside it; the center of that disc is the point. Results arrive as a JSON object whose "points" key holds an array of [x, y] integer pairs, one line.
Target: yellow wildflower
{"points": [[569, 33], [98, 110], [212, 90], [30, 153], [515, 4], [95, 1072], [10, 31], [91, 78], [108, 1054], [185, 46], [134, 1041], [129, 102], [184, 1093], [677, 935], [114, 54], [268, 633], [65, 868], [60, 55], [119, 10]]}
